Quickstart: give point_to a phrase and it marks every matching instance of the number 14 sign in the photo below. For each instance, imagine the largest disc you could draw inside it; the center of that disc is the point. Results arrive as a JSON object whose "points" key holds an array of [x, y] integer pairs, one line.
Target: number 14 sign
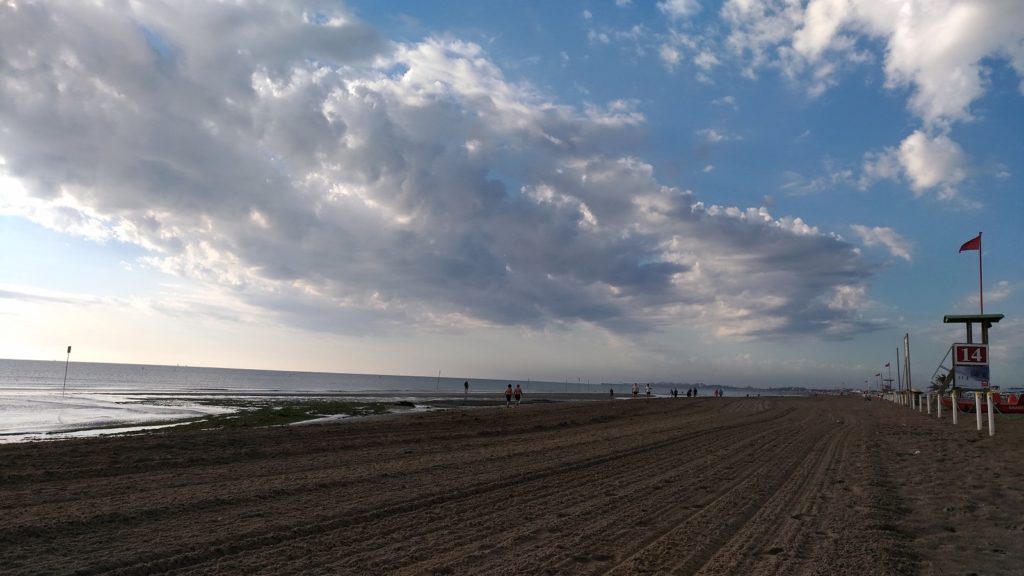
{"points": [[970, 353]]}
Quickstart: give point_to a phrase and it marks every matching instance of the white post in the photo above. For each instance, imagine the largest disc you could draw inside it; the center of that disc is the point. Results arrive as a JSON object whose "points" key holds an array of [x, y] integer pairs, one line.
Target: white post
{"points": [[991, 417], [977, 408], [953, 397], [929, 403], [938, 405]]}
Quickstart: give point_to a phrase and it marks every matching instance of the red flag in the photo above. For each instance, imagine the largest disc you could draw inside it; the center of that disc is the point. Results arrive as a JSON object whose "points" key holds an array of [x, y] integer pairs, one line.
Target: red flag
{"points": [[972, 244]]}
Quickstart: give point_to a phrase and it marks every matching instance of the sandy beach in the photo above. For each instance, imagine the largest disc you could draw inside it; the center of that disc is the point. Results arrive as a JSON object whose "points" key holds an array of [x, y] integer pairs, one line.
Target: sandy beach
{"points": [[661, 486]]}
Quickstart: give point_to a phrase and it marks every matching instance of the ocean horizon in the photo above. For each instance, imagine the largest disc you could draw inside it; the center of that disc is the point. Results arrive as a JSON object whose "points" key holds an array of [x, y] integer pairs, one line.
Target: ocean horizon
{"points": [[102, 398]]}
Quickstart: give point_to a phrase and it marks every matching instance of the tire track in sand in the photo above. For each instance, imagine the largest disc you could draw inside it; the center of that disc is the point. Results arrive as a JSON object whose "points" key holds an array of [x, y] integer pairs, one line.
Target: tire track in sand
{"points": [[684, 546], [477, 496]]}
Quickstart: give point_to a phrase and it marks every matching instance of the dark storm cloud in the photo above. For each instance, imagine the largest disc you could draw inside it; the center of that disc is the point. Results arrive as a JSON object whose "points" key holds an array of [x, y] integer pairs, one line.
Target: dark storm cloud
{"points": [[349, 185]]}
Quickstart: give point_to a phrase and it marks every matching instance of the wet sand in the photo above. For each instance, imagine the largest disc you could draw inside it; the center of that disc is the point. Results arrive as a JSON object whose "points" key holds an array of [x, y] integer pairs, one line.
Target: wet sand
{"points": [[661, 486]]}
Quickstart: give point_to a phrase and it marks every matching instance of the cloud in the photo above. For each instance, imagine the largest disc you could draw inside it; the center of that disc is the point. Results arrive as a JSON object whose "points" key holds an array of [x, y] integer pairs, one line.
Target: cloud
{"points": [[670, 56], [616, 113], [674, 47], [32, 295], [727, 101], [941, 52], [878, 166], [679, 9], [849, 298], [926, 162], [930, 162], [1000, 292], [706, 60], [939, 49], [948, 75], [634, 38], [796, 184], [305, 167], [758, 29], [993, 294], [714, 135], [886, 237]]}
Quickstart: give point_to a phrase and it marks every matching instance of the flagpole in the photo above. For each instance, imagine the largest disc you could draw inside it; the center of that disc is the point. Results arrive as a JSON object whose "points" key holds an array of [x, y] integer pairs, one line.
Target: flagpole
{"points": [[981, 291], [899, 380]]}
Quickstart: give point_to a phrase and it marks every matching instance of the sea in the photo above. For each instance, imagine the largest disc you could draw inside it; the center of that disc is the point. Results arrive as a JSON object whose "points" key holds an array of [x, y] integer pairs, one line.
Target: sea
{"points": [[44, 400], [56, 399]]}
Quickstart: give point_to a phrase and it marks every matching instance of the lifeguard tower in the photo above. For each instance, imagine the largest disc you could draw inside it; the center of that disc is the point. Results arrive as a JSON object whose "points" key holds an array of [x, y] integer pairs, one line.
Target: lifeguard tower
{"points": [[969, 370]]}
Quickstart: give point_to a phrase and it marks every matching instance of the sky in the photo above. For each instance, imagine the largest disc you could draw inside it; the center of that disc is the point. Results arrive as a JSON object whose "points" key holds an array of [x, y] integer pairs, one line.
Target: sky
{"points": [[741, 192]]}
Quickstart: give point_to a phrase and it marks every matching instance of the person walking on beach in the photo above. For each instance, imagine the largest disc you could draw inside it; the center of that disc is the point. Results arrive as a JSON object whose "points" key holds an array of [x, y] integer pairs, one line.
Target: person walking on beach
{"points": [[508, 396], [518, 393], [636, 390], [648, 389], [466, 386]]}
